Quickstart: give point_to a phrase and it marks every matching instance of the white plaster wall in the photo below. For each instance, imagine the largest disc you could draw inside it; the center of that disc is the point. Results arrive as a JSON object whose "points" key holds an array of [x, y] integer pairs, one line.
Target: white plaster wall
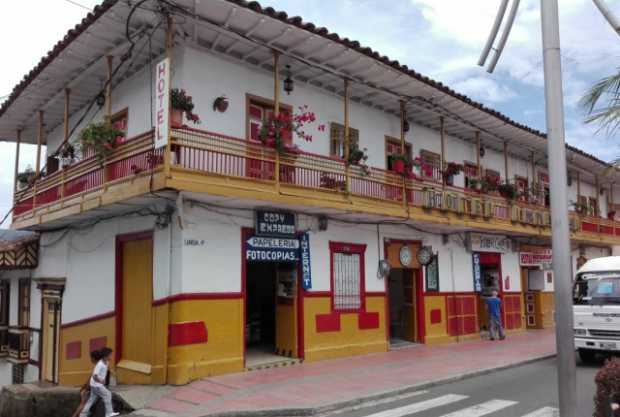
{"points": [[511, 269], [89, 256]]}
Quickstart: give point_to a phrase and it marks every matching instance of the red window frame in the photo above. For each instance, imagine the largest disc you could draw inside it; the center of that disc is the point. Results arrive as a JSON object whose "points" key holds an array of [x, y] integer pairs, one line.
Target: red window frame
{"points": [[349, 249]]}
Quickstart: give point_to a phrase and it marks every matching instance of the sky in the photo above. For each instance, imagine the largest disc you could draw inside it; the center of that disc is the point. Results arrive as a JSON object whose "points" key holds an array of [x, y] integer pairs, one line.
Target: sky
{"points": [[441, 39]]}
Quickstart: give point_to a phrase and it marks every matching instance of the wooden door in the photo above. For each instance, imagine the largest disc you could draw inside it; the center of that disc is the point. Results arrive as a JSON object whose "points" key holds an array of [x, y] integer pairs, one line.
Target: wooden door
{"points": [[137, 299], [50, 339], [410, 330], [286, 310]]}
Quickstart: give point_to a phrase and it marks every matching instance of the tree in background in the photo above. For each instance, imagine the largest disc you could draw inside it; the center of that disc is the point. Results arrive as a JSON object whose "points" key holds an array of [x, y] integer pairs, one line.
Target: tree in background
{"points": [[602, 102]]}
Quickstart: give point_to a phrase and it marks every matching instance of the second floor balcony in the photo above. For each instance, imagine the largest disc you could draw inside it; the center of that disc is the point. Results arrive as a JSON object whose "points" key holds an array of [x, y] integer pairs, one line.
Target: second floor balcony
{"points": [[215, 164]]}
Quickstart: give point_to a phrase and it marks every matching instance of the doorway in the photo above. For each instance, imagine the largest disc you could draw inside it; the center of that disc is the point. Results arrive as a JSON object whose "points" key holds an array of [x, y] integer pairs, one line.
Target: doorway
{"points": [[490, 273], [50, 339], [270, 313], [134, 308], [404, 328]]}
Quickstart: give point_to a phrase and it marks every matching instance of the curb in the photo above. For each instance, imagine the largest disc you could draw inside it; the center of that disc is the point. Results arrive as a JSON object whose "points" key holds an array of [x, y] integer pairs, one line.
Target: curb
{"points": [[337, 406]]}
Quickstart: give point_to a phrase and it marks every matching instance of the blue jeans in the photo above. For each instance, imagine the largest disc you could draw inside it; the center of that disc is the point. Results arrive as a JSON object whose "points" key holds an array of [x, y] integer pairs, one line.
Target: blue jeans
{"points": [[495, 328]]}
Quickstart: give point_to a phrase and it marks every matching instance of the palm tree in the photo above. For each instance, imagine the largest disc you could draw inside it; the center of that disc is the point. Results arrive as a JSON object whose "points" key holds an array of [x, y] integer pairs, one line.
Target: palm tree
{"points": [[602, 102]]}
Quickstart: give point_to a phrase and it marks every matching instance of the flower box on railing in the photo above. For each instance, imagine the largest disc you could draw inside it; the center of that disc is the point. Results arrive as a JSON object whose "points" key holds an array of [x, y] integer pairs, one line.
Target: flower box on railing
{"points": [[487, 209], [433, 199], [476, 207], [19, 345]]}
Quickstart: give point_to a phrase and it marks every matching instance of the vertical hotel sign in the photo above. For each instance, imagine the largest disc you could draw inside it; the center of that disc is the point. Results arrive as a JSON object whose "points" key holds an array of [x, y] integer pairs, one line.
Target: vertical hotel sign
{"points": [[162, 103]]}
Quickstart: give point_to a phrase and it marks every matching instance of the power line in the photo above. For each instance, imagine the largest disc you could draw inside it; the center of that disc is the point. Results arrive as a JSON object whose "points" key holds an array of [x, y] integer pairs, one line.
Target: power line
{"points": [[75, 3]]}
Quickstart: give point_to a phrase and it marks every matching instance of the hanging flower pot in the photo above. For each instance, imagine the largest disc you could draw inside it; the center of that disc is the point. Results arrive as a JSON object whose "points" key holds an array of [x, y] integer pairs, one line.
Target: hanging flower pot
{"points": [[176, 118], [220, 104], [399, 166]]}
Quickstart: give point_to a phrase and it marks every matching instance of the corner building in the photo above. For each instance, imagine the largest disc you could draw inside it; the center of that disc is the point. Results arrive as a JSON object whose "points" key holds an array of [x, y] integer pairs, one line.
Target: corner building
{"points": [[217, 253]]}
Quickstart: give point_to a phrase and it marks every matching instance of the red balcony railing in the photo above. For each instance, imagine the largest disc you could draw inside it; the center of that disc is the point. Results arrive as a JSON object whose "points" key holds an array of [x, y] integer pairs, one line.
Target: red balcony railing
{"points": [[223, 156]]}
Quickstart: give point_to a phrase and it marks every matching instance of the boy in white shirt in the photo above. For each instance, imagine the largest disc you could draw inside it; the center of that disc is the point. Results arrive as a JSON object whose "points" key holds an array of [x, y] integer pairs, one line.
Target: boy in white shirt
{"points": [[97, 387]]}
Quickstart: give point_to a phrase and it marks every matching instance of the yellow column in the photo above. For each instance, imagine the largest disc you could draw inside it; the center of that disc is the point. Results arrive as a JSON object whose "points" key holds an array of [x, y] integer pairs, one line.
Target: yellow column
{"points": [[402, 145], [507, 180], [39, 142], [276, 107], [169, 46], [346, 134], [108, 90], [477, 136], [442, 130], [17, 146]]}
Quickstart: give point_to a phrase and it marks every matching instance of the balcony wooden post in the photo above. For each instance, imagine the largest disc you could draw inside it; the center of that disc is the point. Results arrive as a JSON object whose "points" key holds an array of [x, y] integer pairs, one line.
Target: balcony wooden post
{"points": [[169, 46], [478, 167], [17, 148], [346, 135], [39, 142], [403, 117], [442, 133], [108, 90], [276, 107], [578, 185], [66, 139], [506, 176], [598, 196]]}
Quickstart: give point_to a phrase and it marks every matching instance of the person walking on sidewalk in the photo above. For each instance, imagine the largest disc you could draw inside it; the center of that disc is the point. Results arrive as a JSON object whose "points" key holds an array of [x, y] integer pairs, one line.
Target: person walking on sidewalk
{"points": [[495, 322], [97, 387]]}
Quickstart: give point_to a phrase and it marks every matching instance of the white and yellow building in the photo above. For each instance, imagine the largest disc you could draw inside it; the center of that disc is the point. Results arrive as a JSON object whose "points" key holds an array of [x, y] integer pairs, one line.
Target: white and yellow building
{"points": [[155, 252]]}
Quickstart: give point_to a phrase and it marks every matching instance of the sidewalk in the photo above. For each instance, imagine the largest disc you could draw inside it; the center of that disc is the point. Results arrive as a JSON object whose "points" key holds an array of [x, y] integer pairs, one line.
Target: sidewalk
{"points": [[319, 386]]}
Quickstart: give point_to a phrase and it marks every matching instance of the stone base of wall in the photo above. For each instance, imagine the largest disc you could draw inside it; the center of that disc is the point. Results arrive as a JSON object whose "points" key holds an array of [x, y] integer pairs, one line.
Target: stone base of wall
{"points": [[37, 401]]}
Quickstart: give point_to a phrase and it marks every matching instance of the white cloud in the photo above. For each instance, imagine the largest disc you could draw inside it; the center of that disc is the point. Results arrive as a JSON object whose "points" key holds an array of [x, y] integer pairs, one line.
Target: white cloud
{"points": [[484, 89]]}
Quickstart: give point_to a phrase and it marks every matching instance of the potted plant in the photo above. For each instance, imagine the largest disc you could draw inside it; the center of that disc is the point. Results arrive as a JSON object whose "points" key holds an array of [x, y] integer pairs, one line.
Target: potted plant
{"points": [[182, 103], [25, 177], [580, 208], [474, 184], [100, 139], [277, 129], [220, 104], [357, 155], [400, 163], [451, 170], [489, 184], [67, 155], [508, 191]]}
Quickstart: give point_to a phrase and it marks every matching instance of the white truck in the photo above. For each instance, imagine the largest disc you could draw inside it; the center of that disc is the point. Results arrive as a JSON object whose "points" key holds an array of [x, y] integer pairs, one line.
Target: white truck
{"points": [[596, 307]]}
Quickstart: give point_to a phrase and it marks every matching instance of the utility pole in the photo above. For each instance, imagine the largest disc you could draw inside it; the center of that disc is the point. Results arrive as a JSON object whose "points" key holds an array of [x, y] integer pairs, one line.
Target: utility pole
{"points": [[554, 105]]}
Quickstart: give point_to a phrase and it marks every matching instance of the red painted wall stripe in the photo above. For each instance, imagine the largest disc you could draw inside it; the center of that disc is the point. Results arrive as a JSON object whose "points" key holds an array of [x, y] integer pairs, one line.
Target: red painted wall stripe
{"points": [[199, 296], [328, 322], [73, 350], [88, 320], [97, 343], [368, 321], [188, 333]]}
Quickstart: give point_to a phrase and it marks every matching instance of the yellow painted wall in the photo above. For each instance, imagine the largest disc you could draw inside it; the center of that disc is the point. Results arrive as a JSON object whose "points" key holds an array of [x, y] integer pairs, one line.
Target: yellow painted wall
{"points": [[158, 353], [74, 372], [223, 353], [350, 340], [438, 332]]}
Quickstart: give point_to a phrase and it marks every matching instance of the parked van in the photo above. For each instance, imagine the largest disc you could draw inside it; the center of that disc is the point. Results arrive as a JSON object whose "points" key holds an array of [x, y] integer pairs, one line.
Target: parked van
{"points": [[596, 307]]}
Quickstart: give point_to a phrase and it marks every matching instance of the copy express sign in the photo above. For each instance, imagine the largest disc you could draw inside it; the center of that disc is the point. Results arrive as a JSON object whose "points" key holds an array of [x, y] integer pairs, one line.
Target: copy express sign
{"points": [[275, 223]]}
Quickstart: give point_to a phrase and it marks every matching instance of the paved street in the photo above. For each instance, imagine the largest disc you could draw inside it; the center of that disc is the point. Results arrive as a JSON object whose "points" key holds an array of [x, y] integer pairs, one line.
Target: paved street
{"points": [[527, 391], [312, 386]]}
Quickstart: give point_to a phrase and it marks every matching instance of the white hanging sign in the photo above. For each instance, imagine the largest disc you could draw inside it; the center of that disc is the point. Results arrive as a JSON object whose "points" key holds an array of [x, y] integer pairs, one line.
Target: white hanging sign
{"points": [[489, 243], [162, 103]]}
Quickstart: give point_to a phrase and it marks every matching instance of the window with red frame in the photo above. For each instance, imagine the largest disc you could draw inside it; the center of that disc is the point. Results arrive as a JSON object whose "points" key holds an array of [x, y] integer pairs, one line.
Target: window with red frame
{"points": [[470, 171], [493, 175], [347, 276], [258, 112], [120, 121], [431, 165]]}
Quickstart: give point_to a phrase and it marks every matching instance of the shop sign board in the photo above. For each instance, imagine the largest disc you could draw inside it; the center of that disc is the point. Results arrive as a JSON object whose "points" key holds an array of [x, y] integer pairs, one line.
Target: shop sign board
{"points": [[535, 258], [275, 223], [266, 249], [306, 273], [489, 243], [477, 272], [162, 103], [432, 275]]}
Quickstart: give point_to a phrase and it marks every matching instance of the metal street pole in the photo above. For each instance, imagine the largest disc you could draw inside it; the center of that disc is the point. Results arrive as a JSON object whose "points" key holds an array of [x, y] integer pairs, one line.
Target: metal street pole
{"points": [[554, 104]]}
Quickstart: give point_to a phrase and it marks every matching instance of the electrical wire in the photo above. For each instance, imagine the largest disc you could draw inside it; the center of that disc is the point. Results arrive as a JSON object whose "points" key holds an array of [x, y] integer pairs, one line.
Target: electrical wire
{"points": [[75, 3]]}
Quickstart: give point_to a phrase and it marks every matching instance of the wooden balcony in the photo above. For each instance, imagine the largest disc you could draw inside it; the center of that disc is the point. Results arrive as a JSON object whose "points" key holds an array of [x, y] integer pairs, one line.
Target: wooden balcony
{"points": [[19, 345], [220, 165]]}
